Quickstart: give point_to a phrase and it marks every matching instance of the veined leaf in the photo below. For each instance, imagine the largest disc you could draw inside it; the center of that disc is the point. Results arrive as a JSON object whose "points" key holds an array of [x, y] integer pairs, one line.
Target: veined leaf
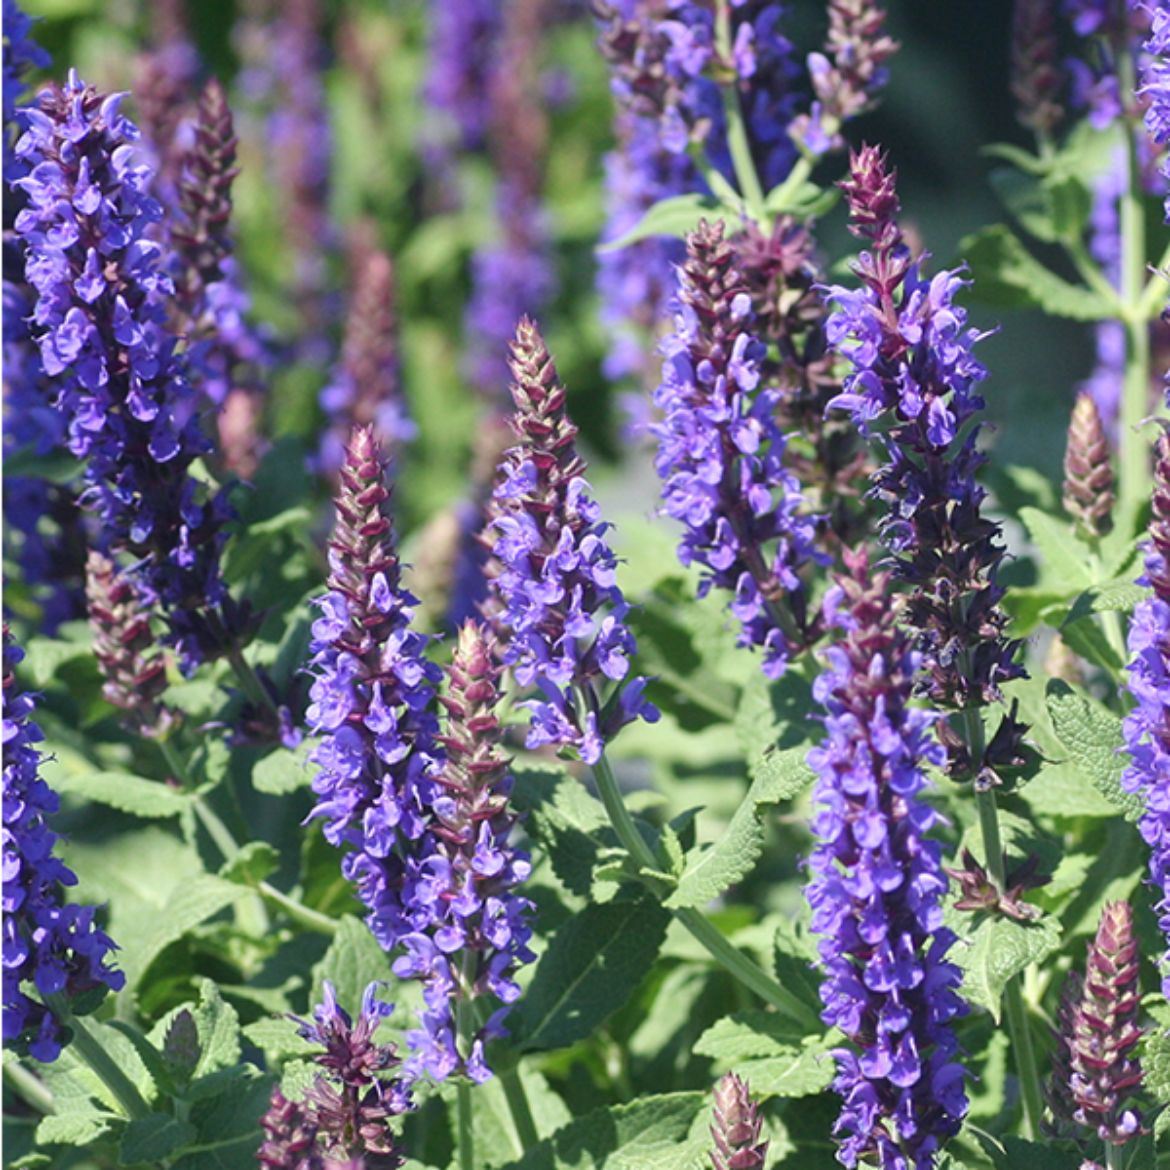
{"points": [[675, 216]]}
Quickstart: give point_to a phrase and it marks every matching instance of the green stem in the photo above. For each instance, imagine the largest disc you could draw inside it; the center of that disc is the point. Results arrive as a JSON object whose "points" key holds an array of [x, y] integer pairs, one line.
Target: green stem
{"points": [[301, 914], [465, 1030], [253, 916], [1027, 1070], [250, 681], [517, 1100], [1157, 288], [737, 138], [91, 1050], [713, 940], [30, 1088], [466, 1137], [1091, 274], [1114, 1156], [1135, 448]]}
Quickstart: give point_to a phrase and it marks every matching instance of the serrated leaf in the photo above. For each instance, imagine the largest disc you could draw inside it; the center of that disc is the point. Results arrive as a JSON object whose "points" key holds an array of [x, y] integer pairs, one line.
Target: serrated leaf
{"points": [[44, 657], [1086, 638], [1007, 275], [783, 774], [592, 966], [997, 950], [255, 861], [644, 1135], [1013, 1153], [219, 1030], [148, 799], [796, 1072], [1092, 736], [675, 216], [1064, 556], [189, 905], [1112, 597], [283, 771], [353, 961], [228, 1127], [749, 1035], [77, 1128], [494, 1129], [277, 1037], [154, 1137], [714, 867]]}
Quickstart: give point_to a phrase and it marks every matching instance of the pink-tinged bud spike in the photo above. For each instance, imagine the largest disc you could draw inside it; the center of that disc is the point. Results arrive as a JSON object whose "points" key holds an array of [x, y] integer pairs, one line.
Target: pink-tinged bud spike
{"points": [[1105, 1071], [736, 1128], [1058, 1085], [1037, 77], [871, 191], [1088, 473]]}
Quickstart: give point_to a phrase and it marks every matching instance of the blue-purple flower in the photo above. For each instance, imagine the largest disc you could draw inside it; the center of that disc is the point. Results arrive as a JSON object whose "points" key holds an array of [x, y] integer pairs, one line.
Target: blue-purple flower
{"points": [[371, 704], [1154, 87], [720, 456], [480, 931], [51, 949], [100, 321], [876, 889], [914, 377], [561, 613], [1147, 727]]}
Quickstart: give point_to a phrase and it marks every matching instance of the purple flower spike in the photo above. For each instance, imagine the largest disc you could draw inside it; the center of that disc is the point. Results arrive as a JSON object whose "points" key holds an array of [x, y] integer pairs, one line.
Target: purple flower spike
{"points": [[463, 35], [480, 934], [876, 889], [342, 1122], [1037, 77], [914, 371], [50, 948], [1147, 728], [123, 389], [366, 387], [562, 614], [720, 456], [371, 702], [1154, 87]]}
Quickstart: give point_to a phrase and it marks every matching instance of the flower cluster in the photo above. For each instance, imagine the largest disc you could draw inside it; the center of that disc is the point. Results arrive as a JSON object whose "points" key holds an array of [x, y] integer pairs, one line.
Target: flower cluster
{"points": [[100, 323], [720, 456], [371, 702], [736, 1128], [366, 386], [54, 948], [1104, 1068], [1088, 473], [876, 888], [1147, 727], [342, 1122], [913, 370], [479, 933], [562, 614], [1037, 76], [1154, 87]]}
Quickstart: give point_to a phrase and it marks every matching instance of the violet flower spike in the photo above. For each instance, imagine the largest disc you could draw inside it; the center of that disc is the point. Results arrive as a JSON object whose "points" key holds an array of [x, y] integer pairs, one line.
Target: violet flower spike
{"points": [[370, 703], [122, 387], [561, 618], [1147, 727], [720, 456], [480, 935], [876, 888], [914, 368], [50, 947]]}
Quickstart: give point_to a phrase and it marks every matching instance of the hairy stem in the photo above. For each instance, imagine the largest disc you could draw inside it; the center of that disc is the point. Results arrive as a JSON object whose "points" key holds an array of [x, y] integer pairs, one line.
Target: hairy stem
{"points": [[716, 944], [29, 1087], [737, 137]]}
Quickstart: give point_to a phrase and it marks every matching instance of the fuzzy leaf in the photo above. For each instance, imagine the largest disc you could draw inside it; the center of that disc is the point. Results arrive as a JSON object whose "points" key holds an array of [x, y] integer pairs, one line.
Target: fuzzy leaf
{"points": [[155, 1137], [748, 1035], [283, 771], [592, 966], [496, 1139], [254, 862], [77, 1128], [228, 1126], [148, 799], [1092, 736], [999, 949], [1064, 556], [353, 961], [1007, 275], [644, 1135], [675, 216]]}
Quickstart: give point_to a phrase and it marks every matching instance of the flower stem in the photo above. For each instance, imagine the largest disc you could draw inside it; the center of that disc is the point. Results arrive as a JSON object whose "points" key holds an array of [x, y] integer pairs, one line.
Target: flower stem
{"points": [[29, 1087], [1135, 448], [737, 138], [297, 911], [90, 1049], [465, 1028], [750, 974], [518, 1106]]}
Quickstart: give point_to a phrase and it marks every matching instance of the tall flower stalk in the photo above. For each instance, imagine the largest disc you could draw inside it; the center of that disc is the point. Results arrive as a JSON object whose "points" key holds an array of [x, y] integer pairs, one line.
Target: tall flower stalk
{"points": [[876, 889], [721, 457]]}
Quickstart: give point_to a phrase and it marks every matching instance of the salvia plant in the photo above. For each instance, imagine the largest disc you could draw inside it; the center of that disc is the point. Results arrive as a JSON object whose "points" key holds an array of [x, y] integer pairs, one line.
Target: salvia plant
{"points": [[586, 585]]}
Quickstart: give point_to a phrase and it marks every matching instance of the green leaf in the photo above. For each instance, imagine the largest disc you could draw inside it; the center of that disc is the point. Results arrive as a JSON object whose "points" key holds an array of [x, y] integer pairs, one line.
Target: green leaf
{"points": [[807, 201], [1013, 1153], [592, 966], [228, 1127], [154, 1137], [749, 1035], [77, 1128], [1086, 638], [149, 799], [254, 862], [675, 216], [1092, 735], [44, 657], [353, 961], [644, 1135], [494, 1130], [1064, 557], [997, 950], [1007, 275], [219, 1031], [795, 1072], [1118, 596], [190, 904], [283, 771], [771, 1052], [712, 868], [1155, 1064]]}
